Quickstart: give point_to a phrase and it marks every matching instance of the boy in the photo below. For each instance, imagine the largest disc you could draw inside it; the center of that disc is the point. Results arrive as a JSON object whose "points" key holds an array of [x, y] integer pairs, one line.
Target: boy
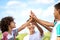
{"points": [[33, 34], [55, 35], [7, 25]]}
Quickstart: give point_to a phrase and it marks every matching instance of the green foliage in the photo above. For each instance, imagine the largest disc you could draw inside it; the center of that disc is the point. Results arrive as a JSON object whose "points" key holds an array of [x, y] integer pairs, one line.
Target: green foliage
{"points": [[46, 36], [0, 35], [21, 36]]}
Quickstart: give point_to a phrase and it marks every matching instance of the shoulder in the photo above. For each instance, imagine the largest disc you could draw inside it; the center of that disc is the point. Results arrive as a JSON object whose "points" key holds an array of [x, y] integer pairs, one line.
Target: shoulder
{"points": [[57, 24], [5, 34]]}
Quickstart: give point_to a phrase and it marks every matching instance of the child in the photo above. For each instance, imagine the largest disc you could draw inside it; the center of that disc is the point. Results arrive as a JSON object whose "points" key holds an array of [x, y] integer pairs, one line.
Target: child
{"points": [[33, 34], [56, 30], [7, 25]]}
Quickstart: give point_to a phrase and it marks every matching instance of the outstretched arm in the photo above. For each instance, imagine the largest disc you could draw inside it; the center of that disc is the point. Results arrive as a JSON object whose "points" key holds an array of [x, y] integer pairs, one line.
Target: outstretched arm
{"points": [[39, 28], [48, 28], [42, 22], [24, 25]]}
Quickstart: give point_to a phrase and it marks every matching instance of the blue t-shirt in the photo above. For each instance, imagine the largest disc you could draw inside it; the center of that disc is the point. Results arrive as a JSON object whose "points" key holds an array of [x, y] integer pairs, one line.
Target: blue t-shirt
{"points": [[58, 30]]}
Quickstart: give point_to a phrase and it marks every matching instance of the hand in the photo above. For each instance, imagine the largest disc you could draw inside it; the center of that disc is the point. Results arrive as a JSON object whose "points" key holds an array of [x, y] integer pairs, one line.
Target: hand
{"points": [[32, 15], [34, 23], [29, 20]]}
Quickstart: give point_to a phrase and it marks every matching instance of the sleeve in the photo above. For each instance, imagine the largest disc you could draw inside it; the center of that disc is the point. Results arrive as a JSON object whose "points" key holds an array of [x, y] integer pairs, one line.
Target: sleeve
{"points": [[5, 34], [15, 32], [58, 30]]}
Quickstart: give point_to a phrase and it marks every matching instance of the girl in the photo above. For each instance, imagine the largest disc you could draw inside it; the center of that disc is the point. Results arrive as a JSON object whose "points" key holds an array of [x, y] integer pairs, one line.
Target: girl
{"points": [[7, 25]]}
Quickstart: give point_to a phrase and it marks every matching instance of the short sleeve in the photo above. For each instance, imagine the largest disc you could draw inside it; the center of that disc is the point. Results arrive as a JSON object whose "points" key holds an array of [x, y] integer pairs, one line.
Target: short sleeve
{"points": [[15, 32], [58, 30]]}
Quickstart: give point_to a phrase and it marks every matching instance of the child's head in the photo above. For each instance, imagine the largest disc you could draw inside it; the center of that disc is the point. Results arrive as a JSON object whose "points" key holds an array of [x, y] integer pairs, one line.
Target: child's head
{"points": [[57, 11], [6, 23], [31, 27]]}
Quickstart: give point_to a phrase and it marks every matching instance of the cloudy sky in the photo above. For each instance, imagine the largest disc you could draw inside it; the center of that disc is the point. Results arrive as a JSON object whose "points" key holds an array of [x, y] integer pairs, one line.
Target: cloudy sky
{"points": [[20, 9]]}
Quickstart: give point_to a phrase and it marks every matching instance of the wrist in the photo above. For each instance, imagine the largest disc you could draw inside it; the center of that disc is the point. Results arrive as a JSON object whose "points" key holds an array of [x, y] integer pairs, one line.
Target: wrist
{"points": [[36, 19]]}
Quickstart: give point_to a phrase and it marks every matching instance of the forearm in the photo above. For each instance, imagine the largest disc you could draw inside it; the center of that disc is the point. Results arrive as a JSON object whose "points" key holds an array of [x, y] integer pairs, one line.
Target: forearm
{"points": [[23, 26], [40, 29], [48, 28], [44, 22]]}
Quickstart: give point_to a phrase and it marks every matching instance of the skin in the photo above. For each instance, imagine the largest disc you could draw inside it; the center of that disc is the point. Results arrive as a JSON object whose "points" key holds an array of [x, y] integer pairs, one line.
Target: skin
{"points": [[31, 28]]}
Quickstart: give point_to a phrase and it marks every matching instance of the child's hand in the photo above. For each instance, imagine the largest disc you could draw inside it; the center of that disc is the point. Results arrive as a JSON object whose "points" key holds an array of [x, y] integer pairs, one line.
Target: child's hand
{"points": [[32, 15]]}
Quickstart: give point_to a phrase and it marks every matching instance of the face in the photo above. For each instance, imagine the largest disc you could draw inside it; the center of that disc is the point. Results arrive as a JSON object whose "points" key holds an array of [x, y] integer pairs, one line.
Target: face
{"points": [[56, 13], [12, 24], [31, 28]]}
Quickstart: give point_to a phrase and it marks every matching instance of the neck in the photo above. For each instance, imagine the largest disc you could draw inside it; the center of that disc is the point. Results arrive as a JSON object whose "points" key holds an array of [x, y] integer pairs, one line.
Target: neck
{"points": [[32, 33], [9, 31], [58, 18]]}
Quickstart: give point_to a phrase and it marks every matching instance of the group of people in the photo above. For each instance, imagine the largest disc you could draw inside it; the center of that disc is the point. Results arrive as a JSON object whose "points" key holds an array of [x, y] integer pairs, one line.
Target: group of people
{"points": [[7, 24]]}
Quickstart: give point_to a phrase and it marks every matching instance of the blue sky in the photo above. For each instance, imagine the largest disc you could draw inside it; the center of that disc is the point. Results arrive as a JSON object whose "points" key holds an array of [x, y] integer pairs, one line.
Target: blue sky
{"points": [[20, 9]]}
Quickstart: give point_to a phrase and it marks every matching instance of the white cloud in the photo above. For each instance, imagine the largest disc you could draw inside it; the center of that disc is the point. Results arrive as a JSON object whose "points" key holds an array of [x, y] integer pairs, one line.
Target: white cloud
{"points": [[49, 11], [12, 3], [36, 11], [14, 8], [16, 4], [48, 14], [42, 2]]}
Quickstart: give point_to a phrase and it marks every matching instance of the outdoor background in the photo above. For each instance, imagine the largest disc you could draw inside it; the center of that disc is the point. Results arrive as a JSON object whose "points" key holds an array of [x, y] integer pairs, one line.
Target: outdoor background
{"points": [[20, 10]]}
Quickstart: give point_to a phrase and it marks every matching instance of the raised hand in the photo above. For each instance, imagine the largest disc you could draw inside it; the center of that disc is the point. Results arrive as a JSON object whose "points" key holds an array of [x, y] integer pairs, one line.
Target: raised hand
{"points": [[33, 16]]}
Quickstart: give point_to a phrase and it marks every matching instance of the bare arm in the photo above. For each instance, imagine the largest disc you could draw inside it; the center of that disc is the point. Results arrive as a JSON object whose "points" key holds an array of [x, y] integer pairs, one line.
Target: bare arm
{"points": [[24, 25], [48, 28], [42, 22], [39, 28]]}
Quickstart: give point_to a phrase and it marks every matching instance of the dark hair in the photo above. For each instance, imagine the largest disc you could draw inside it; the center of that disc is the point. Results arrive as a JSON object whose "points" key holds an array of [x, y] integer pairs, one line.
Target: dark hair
{"points": [[57, 6], [5, 22]]}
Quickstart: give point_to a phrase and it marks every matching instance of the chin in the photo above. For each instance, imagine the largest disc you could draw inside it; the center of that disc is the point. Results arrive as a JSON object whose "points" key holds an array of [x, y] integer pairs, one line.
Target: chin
{"points": [[14, 27]]}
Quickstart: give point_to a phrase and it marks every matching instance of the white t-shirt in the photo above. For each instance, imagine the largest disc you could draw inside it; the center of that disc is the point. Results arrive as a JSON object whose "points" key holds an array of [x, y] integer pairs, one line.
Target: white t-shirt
{"points": [[35, 36], [54, 32], [12, 35]]}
